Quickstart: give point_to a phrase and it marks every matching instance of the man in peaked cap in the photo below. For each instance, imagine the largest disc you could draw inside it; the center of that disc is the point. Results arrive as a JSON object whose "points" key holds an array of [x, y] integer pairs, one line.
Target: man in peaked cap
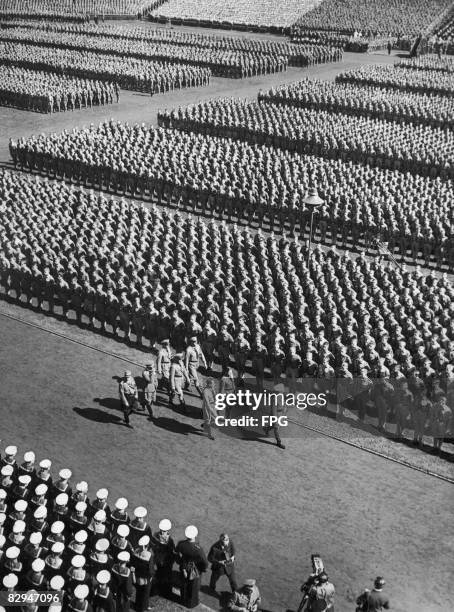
{"points": [[144, 569], [193, 357], [164, 363], [79, 602], [10, 458], [129, 396], [138, 526], [100, 503], [193, 562], [119, 515], [28, 466], [150, 378], [164, 554]]}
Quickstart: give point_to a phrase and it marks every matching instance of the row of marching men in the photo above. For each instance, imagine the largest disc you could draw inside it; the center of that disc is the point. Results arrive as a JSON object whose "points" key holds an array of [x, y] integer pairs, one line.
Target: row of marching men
{"points": [[54, 538]]}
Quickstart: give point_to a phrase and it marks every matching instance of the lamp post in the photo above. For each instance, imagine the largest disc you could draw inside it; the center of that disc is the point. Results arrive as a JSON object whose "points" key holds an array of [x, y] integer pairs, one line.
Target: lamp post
{"points": [[312, 201]]}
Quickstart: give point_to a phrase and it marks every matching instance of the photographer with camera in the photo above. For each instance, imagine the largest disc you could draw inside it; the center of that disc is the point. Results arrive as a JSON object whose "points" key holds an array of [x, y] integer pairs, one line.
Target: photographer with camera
{"points": [[373, 601], [318, 591]]}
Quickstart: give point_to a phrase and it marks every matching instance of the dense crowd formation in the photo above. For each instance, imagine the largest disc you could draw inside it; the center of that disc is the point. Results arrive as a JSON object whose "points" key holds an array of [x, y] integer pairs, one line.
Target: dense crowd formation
{"points": [[416, 148], [353, 99], [119, 262], [20, 13], [423, 81], [308, 52], [444, 32], [80, 552], [233, 178], [67, 8], [129, 73], [429, 63], [222, 62], [386, 17], [259, 13], [48, 92]]}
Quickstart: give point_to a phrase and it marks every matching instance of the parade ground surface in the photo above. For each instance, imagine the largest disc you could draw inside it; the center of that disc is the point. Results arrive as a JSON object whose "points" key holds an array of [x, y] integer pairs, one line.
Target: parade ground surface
{"points": [[364, 514]]}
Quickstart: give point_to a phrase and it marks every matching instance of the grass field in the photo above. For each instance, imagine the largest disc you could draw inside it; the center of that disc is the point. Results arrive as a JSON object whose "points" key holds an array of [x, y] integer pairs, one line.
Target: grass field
{"points": [[364, 515]]}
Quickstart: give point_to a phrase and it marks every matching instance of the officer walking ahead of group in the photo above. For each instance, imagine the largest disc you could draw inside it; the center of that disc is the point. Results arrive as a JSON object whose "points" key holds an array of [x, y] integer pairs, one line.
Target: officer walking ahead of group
{"points": [[373, 601], [129, 396]]}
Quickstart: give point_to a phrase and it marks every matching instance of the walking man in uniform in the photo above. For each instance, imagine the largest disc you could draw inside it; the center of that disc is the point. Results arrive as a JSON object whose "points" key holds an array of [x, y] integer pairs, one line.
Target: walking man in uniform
{"points": [[129, 396], [192, 361], [151, 384]]}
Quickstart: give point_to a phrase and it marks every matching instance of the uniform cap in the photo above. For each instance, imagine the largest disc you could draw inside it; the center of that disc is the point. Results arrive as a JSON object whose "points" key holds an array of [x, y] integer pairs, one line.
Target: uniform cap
{"points": [[165, 341], [249, 582], [102, 545], [103, 577], [144, 540], [24, 480], [127, 373], [41, 489], [10, 581], [11, 451], [165, 525], [20, 505], [81, 591], [12, 552], [65, 474], [81, 536], [7, 470], [61, 499], [36, 538], [81, 507], [58, 548], [57, 527], [38, 565], [123, 556], [191, 532], [379, 582], [123, 531], [57, 583], [121, 503], [78, 561], [40, 512], [82, 486], [45, 464], [102, 494], [140, 512], [29, 457], [193, 339], [100, 516], [19, 527]]}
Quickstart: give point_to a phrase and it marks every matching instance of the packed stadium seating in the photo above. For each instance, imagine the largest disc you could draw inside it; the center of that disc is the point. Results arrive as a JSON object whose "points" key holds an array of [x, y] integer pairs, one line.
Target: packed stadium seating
{"points": [[414, 148], [263, 13], [374, 17], [444, 33], [423, 81], [40, 8], [352, 99], [234, 178], [135, 74], [47, 92]]}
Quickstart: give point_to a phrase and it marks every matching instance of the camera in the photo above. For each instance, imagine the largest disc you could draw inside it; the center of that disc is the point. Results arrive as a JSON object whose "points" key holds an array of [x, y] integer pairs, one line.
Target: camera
{"points": [[318, 568]]}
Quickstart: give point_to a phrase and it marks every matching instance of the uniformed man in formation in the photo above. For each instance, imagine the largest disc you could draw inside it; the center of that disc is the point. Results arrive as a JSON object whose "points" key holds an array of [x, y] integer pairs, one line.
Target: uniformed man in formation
{"points": [[270, 308]]}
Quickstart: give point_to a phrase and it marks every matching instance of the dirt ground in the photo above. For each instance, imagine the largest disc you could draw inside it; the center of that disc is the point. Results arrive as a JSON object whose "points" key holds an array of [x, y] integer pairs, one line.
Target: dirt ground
{"points": [[364, 515]]}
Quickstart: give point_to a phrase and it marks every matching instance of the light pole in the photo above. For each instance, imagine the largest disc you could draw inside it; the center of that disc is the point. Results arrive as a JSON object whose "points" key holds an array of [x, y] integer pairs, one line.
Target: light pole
{"points": [[312, 201]]}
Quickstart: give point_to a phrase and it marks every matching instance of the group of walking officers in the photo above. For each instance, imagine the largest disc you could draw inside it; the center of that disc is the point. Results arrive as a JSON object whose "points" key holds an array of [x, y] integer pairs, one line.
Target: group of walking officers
{"points": [[97, 558]]}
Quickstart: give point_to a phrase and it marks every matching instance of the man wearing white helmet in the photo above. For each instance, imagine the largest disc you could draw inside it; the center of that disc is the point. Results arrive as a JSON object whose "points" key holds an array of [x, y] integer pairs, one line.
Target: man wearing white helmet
{"points": [[7, 478], [10, 562], [122, 587], [119, 515], [78, 602], [57, 583], [27, 468], [60, 508], [61, 485], [103, 600], [43, 475], [164, 554], [138, 526], [10, 458], [77, 573], [80, 494], [21, 490], [10, 582], [99, 559], [142, 562], [39, 522], [193, 562], [32, 550], [78, 520], [34, 579], [100, 503], [54, 561]]}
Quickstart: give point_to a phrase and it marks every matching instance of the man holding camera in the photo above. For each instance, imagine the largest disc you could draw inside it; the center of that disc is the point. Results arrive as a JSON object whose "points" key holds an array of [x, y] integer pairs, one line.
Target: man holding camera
{"points": [[321, 595]]}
